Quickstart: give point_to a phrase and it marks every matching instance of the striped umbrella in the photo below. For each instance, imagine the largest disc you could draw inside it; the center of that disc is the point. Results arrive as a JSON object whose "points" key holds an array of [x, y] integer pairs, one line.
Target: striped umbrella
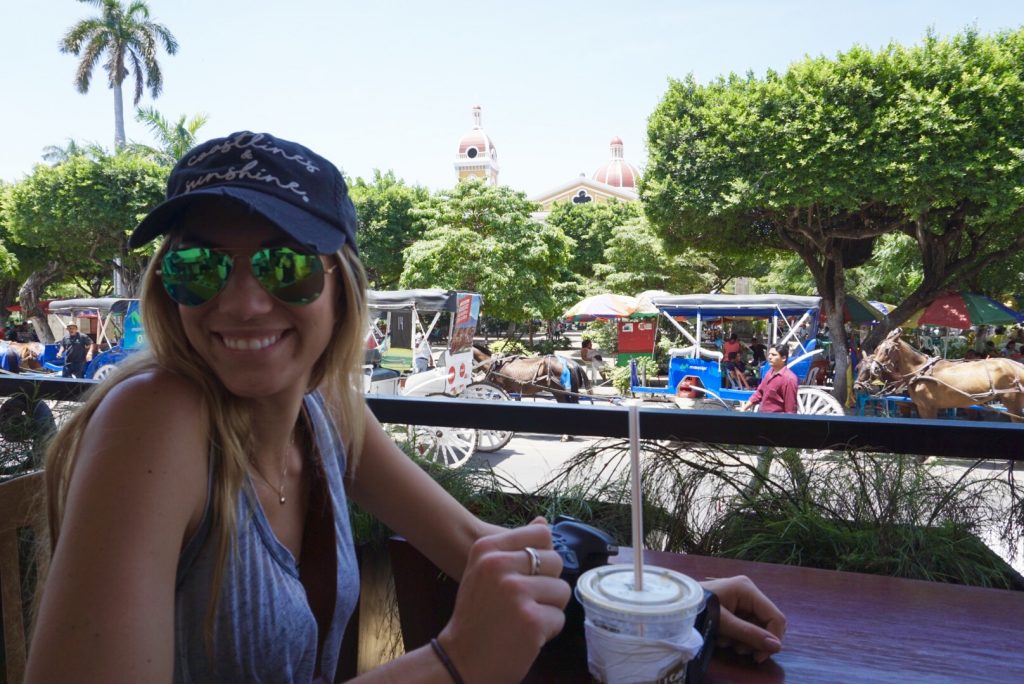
{"points": [[602, 306], [962, 310]]}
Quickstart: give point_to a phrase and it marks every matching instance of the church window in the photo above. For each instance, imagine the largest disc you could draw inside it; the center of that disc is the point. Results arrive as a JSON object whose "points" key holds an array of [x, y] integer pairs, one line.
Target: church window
{"points": [[582, 197]]}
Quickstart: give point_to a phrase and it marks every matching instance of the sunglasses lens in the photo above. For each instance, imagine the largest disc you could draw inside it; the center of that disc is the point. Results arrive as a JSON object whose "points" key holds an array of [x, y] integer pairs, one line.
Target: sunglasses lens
{"points": [[293, 277], [194, 275]]}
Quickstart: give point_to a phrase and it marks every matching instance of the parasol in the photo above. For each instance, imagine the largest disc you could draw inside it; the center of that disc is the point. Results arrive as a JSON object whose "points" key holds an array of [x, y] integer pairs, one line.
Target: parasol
{"points": [[962, 310], [856, 310], [602, 306], [860, 311], [645, 306], [882, 306]]}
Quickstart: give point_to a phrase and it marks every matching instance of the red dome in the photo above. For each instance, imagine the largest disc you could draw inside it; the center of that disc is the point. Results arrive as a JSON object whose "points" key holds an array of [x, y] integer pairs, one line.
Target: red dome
{"points": [[617, 172]]}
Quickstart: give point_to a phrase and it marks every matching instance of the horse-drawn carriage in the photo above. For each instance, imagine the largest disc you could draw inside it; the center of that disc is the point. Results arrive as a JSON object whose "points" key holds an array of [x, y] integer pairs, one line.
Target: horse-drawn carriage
{"points": [[118, 331], [697, 372], [391, 342], [933, 384]]}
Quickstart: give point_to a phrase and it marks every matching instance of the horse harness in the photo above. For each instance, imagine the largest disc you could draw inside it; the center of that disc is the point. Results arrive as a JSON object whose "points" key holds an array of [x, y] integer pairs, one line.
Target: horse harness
{"points": [[538, 376], [898, 383]]}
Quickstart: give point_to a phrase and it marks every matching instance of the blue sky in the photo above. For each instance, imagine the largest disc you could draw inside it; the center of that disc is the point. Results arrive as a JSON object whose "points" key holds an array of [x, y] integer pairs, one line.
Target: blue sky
{"points": [[390, 85]]}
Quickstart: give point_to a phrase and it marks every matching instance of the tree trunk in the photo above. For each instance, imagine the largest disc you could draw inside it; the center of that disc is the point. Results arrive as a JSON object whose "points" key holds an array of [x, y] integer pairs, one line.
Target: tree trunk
{"points": [[30, 294], [8, 296], [119, 136]]}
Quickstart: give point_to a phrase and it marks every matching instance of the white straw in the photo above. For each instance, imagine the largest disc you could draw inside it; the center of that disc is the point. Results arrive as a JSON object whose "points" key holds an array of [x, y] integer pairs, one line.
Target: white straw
{"points": [[638, 507]]}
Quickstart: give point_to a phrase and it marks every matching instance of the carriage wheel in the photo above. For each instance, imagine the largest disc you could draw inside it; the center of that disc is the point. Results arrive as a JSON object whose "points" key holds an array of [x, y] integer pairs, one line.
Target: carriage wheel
{"points": [[817, 402], [488, 440], [103, 371], [447, 446]]}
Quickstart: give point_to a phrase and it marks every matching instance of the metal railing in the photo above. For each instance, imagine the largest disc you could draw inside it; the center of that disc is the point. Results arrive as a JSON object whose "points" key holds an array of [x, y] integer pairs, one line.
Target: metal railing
{"points": [[914, 436]]}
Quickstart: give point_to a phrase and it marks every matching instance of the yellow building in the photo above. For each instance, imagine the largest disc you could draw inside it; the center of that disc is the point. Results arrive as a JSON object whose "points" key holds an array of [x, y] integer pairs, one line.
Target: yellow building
{"points": [[615, 180]]}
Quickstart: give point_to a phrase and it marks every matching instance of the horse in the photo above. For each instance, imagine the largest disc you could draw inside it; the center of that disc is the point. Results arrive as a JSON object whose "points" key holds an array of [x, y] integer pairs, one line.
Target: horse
{"points": [[28, 353], [529, 375], [934, 384]]}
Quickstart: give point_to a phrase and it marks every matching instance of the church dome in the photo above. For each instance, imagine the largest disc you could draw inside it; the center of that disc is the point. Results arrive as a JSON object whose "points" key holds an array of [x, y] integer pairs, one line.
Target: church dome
{"points": [[477, 144], [617, 172]]}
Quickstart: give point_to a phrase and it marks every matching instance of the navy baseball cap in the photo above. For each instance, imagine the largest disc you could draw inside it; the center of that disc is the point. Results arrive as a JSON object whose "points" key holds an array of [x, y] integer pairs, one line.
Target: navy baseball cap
{"points": [[291, 186]]}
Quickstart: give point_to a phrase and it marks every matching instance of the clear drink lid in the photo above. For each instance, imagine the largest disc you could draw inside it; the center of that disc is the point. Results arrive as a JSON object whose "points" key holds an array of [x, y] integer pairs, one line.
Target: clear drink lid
{"points": [[666, 592]]}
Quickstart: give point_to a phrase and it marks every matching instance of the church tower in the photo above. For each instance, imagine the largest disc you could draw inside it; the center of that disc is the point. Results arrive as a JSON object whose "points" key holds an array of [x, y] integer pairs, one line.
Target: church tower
{"points": [[477, 157]]}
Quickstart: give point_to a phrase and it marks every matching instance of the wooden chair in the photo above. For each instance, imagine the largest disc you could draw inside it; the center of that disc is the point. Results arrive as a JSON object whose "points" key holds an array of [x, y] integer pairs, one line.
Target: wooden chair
{"points": [[22, 530]]}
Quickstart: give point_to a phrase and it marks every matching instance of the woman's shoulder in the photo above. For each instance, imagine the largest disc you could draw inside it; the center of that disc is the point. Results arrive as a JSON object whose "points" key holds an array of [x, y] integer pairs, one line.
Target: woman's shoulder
{"points": [[153, 403]]}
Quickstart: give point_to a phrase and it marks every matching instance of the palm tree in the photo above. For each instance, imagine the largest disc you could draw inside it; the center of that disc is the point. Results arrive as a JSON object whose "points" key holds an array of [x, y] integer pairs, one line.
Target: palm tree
{"points": [[174, 138], [129, 40], [56, 154]]}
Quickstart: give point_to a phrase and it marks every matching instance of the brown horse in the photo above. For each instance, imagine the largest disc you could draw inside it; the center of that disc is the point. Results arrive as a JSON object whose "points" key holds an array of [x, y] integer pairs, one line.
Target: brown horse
{"points": [[935, 384], [28, 353], [530, 375]]}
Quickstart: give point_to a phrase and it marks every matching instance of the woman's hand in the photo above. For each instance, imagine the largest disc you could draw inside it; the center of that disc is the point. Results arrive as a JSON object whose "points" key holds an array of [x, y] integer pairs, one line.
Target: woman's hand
{"points": [[504, 614], [750, 622]]}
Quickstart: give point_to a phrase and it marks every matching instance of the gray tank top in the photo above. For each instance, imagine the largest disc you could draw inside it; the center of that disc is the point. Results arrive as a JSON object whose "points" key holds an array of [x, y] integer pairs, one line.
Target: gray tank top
{"points": [[264, 629]]}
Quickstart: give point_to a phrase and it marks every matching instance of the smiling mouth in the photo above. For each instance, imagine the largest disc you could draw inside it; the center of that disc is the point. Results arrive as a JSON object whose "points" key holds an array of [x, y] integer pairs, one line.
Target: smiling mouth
{"points": [[249, 343]]}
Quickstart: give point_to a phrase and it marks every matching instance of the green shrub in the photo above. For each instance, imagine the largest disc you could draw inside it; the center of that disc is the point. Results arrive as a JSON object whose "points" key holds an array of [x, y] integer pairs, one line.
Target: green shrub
{"points": [[508, 347], [883, 514], [550, 346], [620, 375], [605, 336]]}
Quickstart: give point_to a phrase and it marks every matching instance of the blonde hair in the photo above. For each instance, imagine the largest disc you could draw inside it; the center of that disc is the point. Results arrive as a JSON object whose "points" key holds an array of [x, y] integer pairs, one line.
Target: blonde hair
{"points": [[337, 373]]}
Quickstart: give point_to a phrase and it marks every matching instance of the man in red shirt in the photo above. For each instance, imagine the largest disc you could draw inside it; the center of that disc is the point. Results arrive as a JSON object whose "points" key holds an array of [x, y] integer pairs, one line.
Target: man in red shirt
{"points": [[777, 391]]}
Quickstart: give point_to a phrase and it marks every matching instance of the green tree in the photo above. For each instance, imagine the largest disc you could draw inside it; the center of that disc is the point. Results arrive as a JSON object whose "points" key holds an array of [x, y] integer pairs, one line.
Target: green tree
{"points": [[174, 138], [75, 218], [824, 159], [636, 260], [129, 40], [481, 238], [591, 226], [387, 225]]}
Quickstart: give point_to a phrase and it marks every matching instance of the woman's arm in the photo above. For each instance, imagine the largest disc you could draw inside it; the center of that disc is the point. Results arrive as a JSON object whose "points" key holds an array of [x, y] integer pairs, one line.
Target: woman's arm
{"points": [[503, 614], [107, 609]]}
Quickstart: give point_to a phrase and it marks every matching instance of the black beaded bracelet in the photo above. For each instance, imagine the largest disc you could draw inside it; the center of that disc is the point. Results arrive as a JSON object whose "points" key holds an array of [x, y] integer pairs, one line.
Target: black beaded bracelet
{"points": [[446, 661]]}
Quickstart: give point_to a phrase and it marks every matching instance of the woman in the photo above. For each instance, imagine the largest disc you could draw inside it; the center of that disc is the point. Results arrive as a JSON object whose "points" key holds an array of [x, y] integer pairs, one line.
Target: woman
{"points": [[197, 500]]}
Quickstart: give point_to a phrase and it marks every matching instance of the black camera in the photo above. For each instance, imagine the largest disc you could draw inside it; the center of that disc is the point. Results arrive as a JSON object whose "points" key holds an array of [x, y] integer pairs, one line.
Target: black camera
{"points": [[581, 547], [584, 547]]}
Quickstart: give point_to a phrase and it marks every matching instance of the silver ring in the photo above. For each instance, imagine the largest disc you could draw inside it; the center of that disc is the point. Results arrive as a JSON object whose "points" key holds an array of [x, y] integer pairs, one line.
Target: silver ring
{"points": [[534, 560]]}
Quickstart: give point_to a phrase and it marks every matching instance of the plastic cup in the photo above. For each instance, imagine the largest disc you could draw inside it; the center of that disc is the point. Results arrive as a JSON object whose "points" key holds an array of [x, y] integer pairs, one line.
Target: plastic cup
{"points": [[639, 636]]}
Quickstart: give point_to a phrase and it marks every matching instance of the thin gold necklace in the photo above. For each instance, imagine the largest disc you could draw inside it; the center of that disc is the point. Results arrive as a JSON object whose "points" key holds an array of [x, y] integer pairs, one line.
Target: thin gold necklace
{"points": [[284, 471]]}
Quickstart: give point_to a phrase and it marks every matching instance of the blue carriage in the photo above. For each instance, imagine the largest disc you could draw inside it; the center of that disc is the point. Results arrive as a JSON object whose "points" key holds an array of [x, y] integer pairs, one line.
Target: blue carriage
{"points": [[118, 331], [698, 372]]}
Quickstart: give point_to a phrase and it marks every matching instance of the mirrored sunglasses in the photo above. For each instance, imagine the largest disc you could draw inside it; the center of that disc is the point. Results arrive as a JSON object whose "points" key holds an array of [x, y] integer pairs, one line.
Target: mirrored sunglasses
{"points": [[193, 276]]}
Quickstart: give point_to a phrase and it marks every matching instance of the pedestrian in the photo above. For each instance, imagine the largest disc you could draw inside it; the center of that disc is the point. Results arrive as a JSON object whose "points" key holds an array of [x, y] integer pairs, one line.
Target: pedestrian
{"points": [[74, 349], [198, 501], [423, 357], [777, 391]]}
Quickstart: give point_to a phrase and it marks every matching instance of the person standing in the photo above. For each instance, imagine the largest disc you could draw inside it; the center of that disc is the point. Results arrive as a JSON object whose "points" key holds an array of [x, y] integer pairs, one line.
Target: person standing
{"points": [[74, 348], [423, 357], [777, 391]]}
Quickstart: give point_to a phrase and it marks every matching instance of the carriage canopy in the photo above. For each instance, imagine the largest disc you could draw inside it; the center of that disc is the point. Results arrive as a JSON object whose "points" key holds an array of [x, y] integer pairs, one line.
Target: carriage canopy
{"points": [[717, 305], [432, 300]]}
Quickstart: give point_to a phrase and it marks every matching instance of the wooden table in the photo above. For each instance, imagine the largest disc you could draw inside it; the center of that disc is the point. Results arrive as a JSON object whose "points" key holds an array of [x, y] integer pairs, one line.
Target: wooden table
{"points": [[842, 627], [851, 627]]}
